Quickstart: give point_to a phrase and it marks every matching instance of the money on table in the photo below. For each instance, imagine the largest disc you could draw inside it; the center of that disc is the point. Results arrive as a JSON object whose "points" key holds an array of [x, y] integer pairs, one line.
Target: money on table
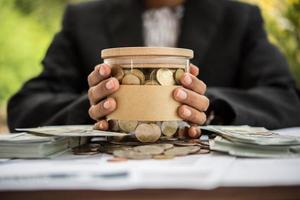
{"points": [[71, 131], [24, 145]]}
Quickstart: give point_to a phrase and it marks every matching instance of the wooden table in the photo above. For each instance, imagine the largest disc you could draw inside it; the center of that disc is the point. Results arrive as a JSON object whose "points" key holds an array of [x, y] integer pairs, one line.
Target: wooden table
{"points": [[274, 193]]}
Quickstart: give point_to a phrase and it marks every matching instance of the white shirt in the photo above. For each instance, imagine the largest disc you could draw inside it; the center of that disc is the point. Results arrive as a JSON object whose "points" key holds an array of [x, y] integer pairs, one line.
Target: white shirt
{"points": [[162, 26]]}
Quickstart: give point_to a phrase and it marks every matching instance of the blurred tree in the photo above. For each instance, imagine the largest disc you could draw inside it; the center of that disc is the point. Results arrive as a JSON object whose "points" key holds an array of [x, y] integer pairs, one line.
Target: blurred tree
{"points": [[28, 26]]}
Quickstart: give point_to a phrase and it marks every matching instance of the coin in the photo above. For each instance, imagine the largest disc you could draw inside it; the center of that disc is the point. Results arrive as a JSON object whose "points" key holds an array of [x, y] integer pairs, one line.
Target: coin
{"points": [[165, 77], [149, 149], [177, 151], [131, 79], [147, 132], [94, 147], [114, 125], [86, 150], [184, 143], [151, 82], [120, 153], [168, 139], [163, 157], [169, 128], [118, 138], [128, 143], [182, 132], [131, 154], [193, 149], [111, 148], [128, 126], [139, 74], [152, 76], [203, 151], [165, 146], [117, 72], [178, 74]]}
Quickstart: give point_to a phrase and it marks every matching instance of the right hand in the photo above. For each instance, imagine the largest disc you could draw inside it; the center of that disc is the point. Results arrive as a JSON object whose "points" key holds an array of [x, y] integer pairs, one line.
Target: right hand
{"points": [[101, 85]]}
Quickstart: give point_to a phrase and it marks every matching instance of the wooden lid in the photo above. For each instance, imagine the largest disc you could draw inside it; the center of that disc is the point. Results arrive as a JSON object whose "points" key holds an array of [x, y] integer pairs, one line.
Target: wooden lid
{"points": [[146, 51]]}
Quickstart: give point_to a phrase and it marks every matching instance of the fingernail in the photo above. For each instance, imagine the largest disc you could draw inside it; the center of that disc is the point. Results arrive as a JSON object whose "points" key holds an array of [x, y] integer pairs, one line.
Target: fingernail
{"points": [[181, 94], [107, 105], [101, 125], [110, 84], [193, 133], [186, 112], [103, 70], [187, 79]]}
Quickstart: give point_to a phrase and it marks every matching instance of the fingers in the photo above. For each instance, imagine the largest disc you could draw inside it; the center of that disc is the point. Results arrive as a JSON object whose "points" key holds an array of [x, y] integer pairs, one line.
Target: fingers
{"points": [[192, 82], [101, 125], [192, 115], [102, 109], [194, 70], [100, 73], [102, 90], [191, 98], [194, 132]]}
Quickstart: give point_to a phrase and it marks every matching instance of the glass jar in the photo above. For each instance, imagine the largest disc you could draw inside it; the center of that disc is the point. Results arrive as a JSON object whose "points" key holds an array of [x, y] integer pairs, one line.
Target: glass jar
{"points": [[147, 77]]}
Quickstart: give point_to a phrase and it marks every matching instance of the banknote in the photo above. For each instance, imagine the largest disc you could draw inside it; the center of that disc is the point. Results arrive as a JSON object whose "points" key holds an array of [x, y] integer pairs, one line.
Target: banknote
{"points": [[71, 131], [24, 145], [252, 150], [252, 135]]}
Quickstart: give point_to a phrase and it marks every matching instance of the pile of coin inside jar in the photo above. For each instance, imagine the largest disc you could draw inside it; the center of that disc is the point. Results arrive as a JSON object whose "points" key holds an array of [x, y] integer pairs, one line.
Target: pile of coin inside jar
{"points": [[148, 67]]}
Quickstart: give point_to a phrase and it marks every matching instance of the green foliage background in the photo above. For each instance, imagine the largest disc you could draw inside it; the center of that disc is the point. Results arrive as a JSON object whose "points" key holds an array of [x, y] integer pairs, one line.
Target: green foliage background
{"points": [[27, 28]]}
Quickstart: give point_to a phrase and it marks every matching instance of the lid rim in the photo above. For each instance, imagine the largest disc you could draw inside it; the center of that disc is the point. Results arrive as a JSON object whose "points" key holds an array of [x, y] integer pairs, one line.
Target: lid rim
{"points": [[146, 51]]}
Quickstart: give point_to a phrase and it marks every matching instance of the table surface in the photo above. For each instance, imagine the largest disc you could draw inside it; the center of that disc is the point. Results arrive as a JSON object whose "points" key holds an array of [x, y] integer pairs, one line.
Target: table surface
{"points": [[213, 176], [232, 193]]}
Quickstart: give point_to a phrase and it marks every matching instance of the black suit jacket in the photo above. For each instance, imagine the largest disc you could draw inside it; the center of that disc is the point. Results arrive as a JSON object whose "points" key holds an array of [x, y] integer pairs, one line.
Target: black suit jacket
{"points": [[247, 77]]}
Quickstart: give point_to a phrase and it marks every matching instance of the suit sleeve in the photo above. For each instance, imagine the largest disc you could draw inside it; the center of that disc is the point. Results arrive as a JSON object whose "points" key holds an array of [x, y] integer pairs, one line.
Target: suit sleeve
{"points": [[57, 95], [266, 94]]}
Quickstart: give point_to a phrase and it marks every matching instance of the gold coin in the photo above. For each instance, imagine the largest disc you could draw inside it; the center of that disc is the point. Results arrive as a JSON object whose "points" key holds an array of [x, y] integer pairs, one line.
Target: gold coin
{"points": [[169, 128], [152, 76], [165, 146], [149, 149], [131, 154], [131, 79], [127, 126], [112, 147], [151, 82], [147, 132], [165, 77], [139, 74], [178, 74], [117, 72], [177, 151]]}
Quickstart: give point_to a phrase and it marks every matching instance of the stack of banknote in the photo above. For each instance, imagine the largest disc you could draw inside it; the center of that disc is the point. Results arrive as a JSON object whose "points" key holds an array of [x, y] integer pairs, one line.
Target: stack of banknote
{"points": [[246, 141], [24, 145]]}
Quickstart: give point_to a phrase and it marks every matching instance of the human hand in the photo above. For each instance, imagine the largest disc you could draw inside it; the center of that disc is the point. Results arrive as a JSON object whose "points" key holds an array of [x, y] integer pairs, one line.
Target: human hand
{"points": [[101, 85], [191, 95]]}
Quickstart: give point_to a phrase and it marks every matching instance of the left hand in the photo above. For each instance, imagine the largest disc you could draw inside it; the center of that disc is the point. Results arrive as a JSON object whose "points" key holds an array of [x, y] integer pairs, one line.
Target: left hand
{"points": [[191, 95]]}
